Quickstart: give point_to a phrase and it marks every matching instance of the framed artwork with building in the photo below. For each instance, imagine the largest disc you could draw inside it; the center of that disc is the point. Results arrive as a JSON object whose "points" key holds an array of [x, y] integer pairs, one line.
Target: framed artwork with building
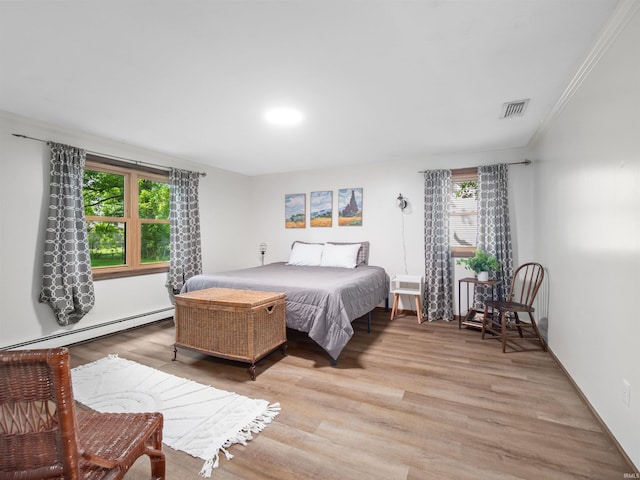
{"points": [[350, 207]]}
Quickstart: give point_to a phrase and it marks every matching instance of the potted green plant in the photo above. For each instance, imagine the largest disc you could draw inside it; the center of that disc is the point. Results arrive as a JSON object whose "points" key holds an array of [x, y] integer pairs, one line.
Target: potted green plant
{"points": [[481, 263]]}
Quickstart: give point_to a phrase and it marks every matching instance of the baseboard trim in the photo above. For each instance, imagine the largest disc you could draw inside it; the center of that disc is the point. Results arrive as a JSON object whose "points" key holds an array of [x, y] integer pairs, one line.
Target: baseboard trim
{"points": [[632, 467], [399, 312], [88, 333]]}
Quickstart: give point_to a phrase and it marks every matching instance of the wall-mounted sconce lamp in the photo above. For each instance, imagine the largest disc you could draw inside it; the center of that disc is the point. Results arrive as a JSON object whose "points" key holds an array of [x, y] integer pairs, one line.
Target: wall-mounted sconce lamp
{"points": [[263, 250], [401, 202]]}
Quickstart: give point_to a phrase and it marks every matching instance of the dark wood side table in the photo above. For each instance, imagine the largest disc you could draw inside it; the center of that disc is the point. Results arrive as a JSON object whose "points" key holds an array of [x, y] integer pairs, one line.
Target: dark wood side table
{"points": [[471, 312]]}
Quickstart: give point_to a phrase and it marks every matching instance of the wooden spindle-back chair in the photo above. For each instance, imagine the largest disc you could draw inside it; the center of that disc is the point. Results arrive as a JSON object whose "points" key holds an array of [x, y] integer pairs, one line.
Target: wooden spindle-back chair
{"points": [[525, 284]]}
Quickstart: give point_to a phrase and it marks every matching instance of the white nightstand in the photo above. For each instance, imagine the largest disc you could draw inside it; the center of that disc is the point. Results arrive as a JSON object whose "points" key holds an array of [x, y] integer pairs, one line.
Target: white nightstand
{"points": [[407, 285]]}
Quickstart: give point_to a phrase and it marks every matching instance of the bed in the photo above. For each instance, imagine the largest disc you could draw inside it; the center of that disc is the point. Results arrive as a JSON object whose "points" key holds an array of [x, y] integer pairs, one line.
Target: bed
{"points": [[321, 300]]}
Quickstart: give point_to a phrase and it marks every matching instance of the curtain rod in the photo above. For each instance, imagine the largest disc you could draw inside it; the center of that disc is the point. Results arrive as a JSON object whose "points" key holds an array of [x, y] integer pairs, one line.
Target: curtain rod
{"points": [[526, 161], [115, 157]]}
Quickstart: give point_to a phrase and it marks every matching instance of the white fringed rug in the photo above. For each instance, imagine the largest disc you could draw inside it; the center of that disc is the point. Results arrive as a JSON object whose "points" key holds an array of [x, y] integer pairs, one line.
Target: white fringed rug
{"points": [[199, 420]]}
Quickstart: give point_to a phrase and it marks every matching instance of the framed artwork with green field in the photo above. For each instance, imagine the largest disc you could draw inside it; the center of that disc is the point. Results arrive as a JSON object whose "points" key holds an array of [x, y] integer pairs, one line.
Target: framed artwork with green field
{"points": [[295, 210], [321, 214]]}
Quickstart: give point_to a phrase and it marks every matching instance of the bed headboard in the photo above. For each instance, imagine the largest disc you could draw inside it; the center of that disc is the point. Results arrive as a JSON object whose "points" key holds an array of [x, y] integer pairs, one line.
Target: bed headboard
{"points": [[363, 252]]}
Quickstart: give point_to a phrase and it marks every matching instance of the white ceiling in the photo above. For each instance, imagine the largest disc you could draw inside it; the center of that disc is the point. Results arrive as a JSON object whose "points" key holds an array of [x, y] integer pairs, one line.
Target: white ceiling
{"points": [[376, 80]]}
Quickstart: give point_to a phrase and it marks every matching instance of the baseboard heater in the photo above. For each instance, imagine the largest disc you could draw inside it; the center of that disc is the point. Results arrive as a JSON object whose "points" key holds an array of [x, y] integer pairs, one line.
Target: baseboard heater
{"points": [[156, 314]]}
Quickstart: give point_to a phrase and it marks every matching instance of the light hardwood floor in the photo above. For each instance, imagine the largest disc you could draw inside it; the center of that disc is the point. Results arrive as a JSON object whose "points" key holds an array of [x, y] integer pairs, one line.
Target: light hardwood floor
{"points": [[406, 401]]}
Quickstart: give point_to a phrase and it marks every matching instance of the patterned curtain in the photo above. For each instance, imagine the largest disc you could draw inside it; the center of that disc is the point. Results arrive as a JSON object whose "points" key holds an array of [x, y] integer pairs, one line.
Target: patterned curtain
{"points": [[184, 219], [494, 231], [438, 292], [67, 281]]}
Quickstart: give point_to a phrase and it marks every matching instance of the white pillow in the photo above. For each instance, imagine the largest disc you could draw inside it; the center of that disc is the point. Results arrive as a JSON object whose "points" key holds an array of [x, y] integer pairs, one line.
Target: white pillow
{"points": [[345, 256], [305, 254]]}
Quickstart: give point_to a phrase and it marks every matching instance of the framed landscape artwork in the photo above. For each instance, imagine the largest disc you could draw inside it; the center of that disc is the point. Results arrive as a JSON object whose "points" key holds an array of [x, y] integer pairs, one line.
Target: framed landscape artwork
{"points": [[321, 211], [350, 207], [295, 210]]}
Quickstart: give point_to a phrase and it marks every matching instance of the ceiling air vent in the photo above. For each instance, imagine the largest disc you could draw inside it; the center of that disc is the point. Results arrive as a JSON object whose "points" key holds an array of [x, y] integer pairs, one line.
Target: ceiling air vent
{"points": [[514, 109]]}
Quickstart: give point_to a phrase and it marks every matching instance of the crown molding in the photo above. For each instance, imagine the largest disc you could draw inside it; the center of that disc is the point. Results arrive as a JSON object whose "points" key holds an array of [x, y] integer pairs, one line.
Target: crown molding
{"points": [[619, 19]]}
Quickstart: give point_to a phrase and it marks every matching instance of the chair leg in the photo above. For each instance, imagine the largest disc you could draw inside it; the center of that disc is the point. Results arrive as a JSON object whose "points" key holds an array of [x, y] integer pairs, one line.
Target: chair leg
{"points": [[156, 455], [518, 322], [157, 467], [503, 330], [535, 328], [484, 321]]}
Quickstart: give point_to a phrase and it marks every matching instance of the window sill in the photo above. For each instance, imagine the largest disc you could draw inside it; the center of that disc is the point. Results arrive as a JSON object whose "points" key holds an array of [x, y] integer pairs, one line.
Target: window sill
{"points": [[103, 274], [462, 252]]}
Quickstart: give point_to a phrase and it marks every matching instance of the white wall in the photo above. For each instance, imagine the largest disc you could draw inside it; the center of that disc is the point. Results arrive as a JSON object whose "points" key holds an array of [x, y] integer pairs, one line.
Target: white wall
{"points": [[24, 196], [588, 234], [382, 222], [237, 214]]}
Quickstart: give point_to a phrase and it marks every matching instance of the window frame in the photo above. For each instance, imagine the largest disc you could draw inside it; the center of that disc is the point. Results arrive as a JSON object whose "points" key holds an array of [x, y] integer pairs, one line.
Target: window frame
{"points": [[462, 175], [133, 265]]}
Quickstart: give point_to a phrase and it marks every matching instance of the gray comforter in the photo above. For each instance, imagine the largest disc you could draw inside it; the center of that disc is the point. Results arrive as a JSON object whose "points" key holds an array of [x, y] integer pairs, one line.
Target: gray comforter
{"points": [[322, 301]]}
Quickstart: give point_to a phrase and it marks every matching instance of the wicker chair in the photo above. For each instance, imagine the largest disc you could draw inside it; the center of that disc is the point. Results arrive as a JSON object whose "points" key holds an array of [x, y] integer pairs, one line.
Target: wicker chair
{"points": [[525, 284], [42, 436]]}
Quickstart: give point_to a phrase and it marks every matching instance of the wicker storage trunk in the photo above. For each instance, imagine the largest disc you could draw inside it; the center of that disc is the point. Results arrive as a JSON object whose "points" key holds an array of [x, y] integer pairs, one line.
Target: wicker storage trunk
{"points": [[242, 325]]}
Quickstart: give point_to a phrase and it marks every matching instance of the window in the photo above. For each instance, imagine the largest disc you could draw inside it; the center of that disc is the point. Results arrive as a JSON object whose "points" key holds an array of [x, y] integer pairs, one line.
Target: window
{"points": [[463, 214], [127, 214]]}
